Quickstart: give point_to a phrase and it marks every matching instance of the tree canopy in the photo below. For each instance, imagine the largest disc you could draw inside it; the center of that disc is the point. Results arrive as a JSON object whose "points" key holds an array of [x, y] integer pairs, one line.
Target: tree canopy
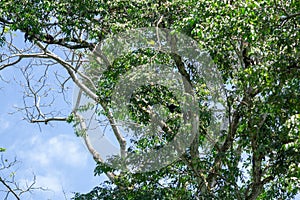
{"points": [[253, 44]]}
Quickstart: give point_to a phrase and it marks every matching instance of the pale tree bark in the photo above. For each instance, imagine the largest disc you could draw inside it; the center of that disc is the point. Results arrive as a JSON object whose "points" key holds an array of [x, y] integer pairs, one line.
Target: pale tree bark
{"points": [[12, 187], [71, 62]]}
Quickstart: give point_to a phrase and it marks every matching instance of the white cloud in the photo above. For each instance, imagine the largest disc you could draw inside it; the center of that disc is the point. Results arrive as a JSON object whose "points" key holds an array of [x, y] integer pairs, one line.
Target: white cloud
{"points": [[48, 185], [53, 160], [61, 149], [49, 182], [4, 124]]}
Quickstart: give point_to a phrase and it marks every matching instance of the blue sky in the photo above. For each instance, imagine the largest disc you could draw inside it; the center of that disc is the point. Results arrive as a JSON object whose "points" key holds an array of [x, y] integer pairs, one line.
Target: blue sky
{"points": [[57, 157]]}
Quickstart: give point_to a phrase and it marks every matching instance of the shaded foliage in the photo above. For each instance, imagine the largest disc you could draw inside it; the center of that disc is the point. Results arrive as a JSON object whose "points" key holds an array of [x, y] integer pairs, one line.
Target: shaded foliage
{"points": [[254, 44]]}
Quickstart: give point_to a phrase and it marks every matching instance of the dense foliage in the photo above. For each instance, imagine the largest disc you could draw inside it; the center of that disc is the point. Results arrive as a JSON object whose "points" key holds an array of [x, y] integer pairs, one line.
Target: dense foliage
{"points": [[255, 46]]}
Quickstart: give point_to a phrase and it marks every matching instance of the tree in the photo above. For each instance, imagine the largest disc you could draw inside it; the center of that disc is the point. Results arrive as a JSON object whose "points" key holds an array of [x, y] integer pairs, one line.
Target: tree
{"points": [[254, 45], [11, 187]]}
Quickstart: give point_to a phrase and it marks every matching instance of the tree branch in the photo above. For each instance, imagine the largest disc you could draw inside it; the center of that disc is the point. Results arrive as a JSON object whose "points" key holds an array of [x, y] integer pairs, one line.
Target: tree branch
{"points": [[48, 120], [88, 144], [9, 188], [116, 130], [72, 72]]}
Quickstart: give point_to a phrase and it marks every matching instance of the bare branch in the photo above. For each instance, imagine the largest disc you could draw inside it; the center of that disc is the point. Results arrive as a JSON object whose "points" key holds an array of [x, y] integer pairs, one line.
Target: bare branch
{"points": [[48, 120], [10, 64], [90, 147], [72, 72], [9, 188], [12, 186], [116, 130]]}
